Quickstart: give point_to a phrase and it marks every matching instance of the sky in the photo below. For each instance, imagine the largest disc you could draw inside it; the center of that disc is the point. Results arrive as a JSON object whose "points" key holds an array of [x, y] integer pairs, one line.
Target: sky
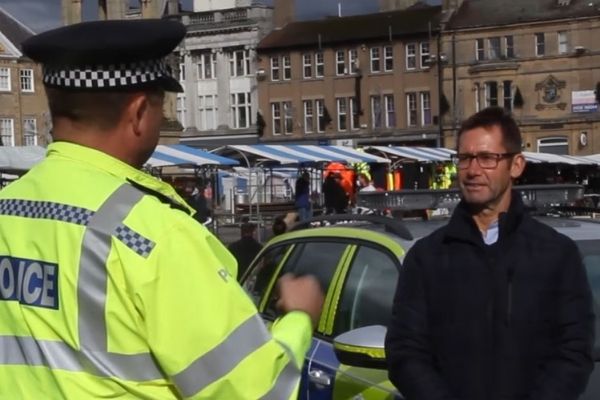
{"points": [[41, 15]]}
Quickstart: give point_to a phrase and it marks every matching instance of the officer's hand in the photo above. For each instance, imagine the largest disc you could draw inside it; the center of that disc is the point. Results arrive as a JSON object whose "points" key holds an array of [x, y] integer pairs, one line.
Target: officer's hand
{"points": [[300, 294]]}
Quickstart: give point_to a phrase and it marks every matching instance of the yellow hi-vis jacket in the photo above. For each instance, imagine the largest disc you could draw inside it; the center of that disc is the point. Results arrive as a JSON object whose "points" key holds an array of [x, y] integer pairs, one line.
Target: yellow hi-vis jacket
{"points": [[108, 289]]}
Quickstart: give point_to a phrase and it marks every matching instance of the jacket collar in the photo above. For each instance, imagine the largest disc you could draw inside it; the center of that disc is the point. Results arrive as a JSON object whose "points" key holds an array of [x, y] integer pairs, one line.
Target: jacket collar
{"points": [[462, 226]]}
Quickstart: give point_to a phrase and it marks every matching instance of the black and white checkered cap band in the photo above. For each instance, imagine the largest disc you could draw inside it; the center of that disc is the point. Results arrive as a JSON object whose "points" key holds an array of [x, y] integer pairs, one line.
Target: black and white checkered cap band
{"points": [[107, 76]]}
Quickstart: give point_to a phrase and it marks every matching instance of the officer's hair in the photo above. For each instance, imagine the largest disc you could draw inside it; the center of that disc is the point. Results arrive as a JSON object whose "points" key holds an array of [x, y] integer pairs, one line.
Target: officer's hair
{"points": [[102, 110], [495, 116]]}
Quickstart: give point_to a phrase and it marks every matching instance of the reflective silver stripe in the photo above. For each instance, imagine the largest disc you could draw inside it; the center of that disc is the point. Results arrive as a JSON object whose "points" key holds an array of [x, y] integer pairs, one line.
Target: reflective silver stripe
{"points": [[286, 383], [136, 242], [95, 249], [45, 210], [218, 362], [16, 350]]}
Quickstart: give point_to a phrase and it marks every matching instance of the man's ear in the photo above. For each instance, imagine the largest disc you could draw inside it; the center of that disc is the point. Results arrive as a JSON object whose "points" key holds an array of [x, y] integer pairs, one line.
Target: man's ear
{"points": [[517, 166], [136, 112]]}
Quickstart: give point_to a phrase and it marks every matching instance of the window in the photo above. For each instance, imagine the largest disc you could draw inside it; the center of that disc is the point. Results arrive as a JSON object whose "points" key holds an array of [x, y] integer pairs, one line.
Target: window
{"points": [[319, 65], [353, 61], [411, 109], [376, 114], [274, 68], [479, 50], [340, 61], [320, 106], [181, 73], [491, 94], [276, 118], [563, 43], [181, 111], [207, 107], [554, 145], [494, 48], [207, 66], [354, 113], [29, 132], [477, 97], [424, 54], [307, 66], [390, 111], [507, 92], [540, 44], [262, 270], [368, 293], [342, 113], [308, 116], [388, 58], [425, 108], [7, 131], [289, 117], [375, 59], [509, 47], [26, 80], [241, 110], [411, 56], [287, 68], [239, 62], [4, 79]]}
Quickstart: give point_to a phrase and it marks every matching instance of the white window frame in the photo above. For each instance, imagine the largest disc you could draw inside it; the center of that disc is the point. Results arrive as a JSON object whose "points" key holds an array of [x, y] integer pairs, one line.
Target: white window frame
{"points": [[205, 110], [477, 97], [309, 116], [275, 69], [507, 53], [26, 78], [276, 119], [342, 113], [411, 56], [488, 93], [30, 131], [319, 65], [563, 42], [182, 73], [389, 107], [320, 108], [479, 49], [540, 43], [288, 117], [7, 131], [425, 98], [555, 141], [376, 114], [5, 80], [375, 59], [388, 58], [507, 84], [287, 67], [307, 66], [207, 62], [340, 63], [411, 107], [354, 114], [239, 58], [494, 52], [181, 109], [239, 108], [424, 54], [353, 61]]}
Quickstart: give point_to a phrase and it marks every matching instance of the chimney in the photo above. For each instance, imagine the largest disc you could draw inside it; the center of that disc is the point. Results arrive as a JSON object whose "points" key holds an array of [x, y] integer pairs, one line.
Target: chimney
{"points": [[283, 12], [393, 5]]}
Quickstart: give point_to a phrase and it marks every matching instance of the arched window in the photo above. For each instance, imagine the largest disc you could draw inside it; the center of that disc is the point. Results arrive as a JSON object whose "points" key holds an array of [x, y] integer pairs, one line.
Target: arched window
{"points": [[554, 145]]}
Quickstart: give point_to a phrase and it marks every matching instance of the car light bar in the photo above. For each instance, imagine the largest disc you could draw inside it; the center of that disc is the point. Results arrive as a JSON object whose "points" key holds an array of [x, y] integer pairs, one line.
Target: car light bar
{"points": [[421, 199]]}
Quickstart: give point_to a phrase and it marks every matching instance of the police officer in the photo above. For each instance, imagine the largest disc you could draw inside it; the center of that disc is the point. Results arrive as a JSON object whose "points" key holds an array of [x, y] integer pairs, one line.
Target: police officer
{"points": [[108, 287]]}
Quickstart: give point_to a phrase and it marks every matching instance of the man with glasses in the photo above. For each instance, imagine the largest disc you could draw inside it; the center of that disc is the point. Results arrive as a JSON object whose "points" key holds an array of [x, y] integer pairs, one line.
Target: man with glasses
{"points": [[494, 305]]}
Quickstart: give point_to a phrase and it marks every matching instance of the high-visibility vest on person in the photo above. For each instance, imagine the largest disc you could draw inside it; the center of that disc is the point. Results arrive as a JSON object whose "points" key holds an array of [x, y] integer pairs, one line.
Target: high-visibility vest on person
{"points": [[108, 289]]}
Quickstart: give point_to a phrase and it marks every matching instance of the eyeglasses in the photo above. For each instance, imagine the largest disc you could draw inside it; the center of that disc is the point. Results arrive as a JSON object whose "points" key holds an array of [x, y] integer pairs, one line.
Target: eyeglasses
{"points": [[485, 160]]}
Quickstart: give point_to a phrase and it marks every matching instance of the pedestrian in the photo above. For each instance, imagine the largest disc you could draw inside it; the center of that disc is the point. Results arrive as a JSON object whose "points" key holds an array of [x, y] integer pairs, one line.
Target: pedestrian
{"points": [[199, 202], [246, 248], [494, 305], [365, 184], [110, 288], [302, 196], [336, 200], [279, 226]]}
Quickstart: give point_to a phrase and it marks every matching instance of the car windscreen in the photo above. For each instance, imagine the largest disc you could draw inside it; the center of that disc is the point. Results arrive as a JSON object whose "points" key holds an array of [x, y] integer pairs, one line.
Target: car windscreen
{"points": [[590, 251]]}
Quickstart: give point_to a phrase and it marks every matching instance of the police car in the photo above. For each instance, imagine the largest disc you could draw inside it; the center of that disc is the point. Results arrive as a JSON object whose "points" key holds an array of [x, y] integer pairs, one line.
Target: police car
{"points": [[356, 260]]}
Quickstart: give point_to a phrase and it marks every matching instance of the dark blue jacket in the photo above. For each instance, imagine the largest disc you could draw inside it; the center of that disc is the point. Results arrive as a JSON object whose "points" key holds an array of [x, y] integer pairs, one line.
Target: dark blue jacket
{"points": [[509, 321]]}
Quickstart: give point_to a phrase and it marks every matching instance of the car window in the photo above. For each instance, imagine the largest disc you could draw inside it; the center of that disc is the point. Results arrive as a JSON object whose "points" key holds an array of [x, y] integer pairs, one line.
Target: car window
{"points": [[262, 270], [590, 251], [319, 259], [368, 291]]}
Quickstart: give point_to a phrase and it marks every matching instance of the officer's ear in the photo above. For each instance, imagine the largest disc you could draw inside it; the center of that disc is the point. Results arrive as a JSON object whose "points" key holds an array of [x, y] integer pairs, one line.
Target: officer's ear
{"points": [[136, 110]]}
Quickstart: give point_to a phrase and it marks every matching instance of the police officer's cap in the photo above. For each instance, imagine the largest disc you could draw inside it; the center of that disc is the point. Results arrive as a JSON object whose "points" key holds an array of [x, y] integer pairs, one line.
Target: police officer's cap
{"points": [[109, 55]]}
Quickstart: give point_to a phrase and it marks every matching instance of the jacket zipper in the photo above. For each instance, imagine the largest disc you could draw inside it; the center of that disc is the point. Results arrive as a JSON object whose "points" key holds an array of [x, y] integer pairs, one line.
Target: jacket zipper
{"points": [[509, 300]]}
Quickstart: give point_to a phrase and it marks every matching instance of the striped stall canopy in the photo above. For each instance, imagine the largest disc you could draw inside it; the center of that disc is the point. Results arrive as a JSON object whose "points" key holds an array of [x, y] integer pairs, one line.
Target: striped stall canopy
{"points": [[595, 158], [179, 154], [421, 154], [556, 158], [301, 154]]}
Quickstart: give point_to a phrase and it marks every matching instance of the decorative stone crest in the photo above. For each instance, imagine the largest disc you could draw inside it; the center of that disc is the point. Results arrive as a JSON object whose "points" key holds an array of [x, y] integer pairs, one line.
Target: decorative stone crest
{"points": [[549, 93]]}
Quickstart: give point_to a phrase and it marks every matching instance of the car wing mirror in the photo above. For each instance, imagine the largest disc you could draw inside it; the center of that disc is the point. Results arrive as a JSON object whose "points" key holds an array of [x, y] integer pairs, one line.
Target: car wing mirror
{"points": [[362, 347]]}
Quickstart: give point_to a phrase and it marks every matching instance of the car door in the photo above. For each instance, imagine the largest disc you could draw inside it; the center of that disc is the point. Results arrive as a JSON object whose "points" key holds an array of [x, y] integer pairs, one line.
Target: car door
{"points": [[365, 292]]}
